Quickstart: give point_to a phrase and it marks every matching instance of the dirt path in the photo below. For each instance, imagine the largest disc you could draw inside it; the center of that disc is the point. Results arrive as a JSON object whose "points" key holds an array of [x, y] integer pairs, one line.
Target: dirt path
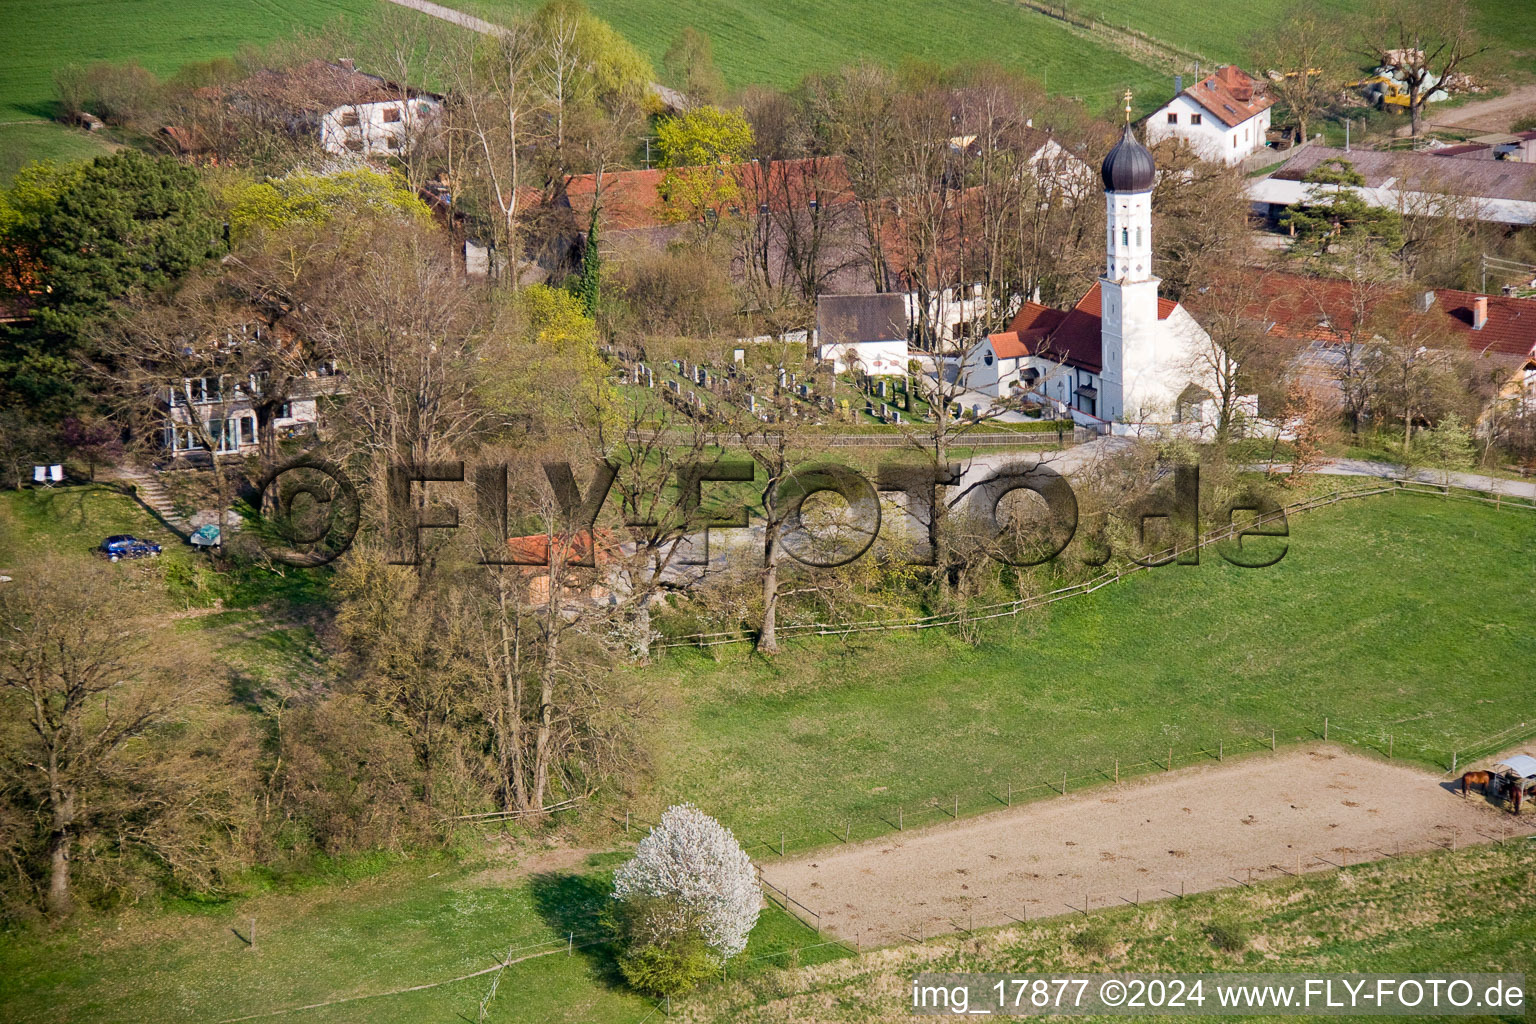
{"points": [[1192, 830], [1495, 115]]}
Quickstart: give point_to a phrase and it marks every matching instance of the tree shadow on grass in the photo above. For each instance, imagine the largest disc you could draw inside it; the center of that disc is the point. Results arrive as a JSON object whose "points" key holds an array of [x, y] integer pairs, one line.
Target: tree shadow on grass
{"points": [[581, 907]]}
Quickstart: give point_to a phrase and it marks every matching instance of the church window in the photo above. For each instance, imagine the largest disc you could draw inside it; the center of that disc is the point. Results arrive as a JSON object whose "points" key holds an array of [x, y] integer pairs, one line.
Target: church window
{"points": [[1125, 236], [1138, 240]]}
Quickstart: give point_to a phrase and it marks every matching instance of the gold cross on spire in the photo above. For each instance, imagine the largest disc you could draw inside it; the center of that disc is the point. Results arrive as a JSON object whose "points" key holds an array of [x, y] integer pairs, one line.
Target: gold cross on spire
{"points": [[1127, 106]]}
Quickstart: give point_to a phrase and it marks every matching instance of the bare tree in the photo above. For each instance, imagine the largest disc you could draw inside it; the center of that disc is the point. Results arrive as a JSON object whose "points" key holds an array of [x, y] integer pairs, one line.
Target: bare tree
{"points": [[1234, 315], [76, 666], [1302, 52], [492, 121], [858, 109], [1422, 43]]}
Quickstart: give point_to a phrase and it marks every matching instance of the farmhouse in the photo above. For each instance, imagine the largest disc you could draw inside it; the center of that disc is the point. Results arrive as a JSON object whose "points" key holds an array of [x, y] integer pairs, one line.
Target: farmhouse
{"points": [[1122, 354], [1223, 117], [348, 111]]}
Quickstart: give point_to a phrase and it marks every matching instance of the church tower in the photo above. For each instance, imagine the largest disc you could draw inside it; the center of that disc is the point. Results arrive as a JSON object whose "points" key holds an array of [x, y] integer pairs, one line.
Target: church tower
{"points": [[1127, 289]]}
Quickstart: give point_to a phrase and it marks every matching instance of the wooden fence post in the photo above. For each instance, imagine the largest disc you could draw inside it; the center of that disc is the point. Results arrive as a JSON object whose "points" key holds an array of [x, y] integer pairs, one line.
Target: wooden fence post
{"points": [[1117, 771], [1170, 759], [1325, 728], [781, 844], [1271, 740]]}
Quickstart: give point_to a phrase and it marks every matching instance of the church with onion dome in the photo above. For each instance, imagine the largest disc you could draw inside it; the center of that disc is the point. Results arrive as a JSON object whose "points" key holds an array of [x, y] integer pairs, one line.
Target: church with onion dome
{"points": [[1123, 357]]}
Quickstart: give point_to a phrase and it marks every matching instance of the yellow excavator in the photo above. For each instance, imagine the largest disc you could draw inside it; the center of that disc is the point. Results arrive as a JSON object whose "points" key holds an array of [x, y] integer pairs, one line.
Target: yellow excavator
{"points": [[1384, 90]]}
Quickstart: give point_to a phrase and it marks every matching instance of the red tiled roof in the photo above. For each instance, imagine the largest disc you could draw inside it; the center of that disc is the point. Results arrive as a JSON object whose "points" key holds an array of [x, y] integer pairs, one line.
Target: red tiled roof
{"points": [[1304, 308], [632, 200], [1074, 337], [1230, 94], [1008, 345], [534, 549]]}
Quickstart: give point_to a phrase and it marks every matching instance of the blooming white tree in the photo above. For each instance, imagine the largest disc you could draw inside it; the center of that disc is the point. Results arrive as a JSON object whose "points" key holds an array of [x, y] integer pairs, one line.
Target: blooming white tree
{"points": [[694, 874]]}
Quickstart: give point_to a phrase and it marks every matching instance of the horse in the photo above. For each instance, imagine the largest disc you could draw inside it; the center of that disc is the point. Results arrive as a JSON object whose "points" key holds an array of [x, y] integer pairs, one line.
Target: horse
{"points": [[1519, 795], [1475, 779]]}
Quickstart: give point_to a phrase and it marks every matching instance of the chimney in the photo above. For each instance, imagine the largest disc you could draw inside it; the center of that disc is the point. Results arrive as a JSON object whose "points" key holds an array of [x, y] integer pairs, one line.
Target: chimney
{"points": [[1479, 312], [1425, 301], [1178, 84]]}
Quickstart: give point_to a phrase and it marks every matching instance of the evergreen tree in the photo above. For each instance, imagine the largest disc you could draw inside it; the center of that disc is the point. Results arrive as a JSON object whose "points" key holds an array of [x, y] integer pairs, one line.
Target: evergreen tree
{"points": [[129, 222]]}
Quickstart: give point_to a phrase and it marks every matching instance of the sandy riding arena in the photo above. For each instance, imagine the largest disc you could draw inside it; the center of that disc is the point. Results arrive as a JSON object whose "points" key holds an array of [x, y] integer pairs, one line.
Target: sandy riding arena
{"points": [[1223, 825]]}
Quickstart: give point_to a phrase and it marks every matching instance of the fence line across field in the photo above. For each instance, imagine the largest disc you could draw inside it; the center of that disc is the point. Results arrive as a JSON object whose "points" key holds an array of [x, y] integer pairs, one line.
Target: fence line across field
{"points": [[1001, 793], [1006, 609]]}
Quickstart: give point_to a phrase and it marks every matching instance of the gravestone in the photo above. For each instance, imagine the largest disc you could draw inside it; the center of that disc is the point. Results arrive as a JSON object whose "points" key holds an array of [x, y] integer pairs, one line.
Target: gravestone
{"points": [[738, 355], [881, 390], [895, 416], [751, 403]]}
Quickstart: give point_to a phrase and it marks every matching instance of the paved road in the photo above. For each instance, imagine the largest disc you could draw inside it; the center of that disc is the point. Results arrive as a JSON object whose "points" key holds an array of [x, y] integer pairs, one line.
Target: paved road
{"points": [[468, 21], [1466, 481]]}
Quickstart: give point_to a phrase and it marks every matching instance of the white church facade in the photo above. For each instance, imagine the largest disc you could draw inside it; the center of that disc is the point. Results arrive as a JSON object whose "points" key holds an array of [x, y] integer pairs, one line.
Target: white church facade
{"points": [[1123, 355]]}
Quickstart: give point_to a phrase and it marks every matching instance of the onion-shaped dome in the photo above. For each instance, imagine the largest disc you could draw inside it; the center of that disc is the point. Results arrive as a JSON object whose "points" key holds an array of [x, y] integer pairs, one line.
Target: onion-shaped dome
{"points": [[1129, 166]]}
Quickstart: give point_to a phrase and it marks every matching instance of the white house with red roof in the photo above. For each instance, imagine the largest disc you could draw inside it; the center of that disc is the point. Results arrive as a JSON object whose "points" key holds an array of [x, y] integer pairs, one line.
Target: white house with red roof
{"points": [[1223, 117], [1123, 354]]}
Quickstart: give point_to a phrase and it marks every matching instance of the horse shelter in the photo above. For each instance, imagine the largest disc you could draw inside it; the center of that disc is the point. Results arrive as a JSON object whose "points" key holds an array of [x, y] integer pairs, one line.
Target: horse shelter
{"points": [[1516, 776]]}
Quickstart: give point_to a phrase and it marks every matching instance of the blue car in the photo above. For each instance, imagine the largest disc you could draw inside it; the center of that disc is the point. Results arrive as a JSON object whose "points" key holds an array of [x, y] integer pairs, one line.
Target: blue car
{"points": [[125, 546]]}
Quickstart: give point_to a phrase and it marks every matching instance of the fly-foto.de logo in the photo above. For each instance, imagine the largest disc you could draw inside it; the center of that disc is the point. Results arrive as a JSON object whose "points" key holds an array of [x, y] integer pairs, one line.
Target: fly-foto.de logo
{"points": [[1166, 523]]}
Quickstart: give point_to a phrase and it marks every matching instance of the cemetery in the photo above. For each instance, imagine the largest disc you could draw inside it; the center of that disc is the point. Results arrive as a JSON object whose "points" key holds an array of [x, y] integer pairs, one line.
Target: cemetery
{"points": [[809, 393]]}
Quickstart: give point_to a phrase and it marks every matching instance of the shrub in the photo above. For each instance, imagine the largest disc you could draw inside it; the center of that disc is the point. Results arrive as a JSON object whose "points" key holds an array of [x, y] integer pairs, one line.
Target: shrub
{"points": [[1095, 941], [1229, 937], [668, 969]]}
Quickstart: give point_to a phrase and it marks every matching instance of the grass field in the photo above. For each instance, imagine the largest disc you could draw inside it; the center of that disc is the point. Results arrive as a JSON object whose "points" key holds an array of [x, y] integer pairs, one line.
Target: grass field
{"points": [[1394, 616], [162, 35], [1424, 603], [402, 926], [780, 43], [1209, 27], [775, 44], [367, 933]]}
